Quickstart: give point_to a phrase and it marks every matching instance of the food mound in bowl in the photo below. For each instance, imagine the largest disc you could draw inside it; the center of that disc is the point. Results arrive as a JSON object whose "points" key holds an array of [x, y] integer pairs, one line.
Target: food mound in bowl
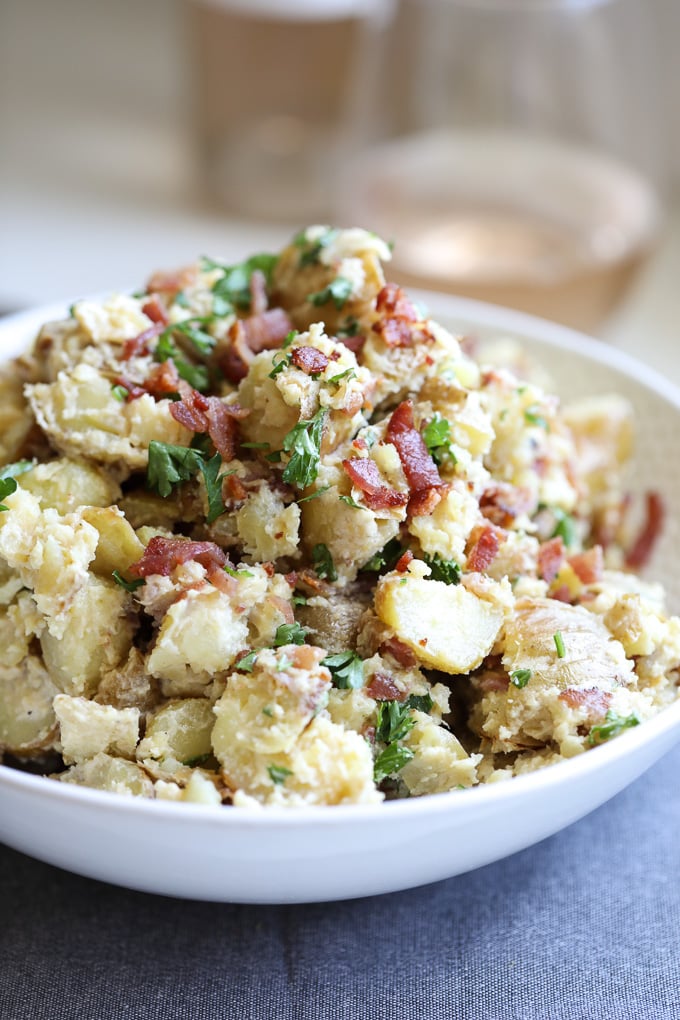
{"points": [[270, 535]]}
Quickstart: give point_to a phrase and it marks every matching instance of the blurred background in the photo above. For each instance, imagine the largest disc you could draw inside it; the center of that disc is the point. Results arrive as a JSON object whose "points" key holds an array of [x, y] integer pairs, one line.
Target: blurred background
{"points": [[140, 134]]}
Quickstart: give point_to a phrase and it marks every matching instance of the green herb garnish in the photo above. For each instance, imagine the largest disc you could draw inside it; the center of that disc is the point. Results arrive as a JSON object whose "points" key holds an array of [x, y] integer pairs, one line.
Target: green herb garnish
{"points": [[351, 502], [303, 443], [311, 250], [278, 774], [120, 393], [290, 634], [611, 727], [559, 643], [234, 286], [520, 677], [337, 291], [8, 475], [391, 761], [565, 527], [437, 438], [128, 585], [323, 562], [386, 558], [346, 669], [447, 571], [315, 494], [246, 663], [393, 721], [420, 702], [533, 416]]}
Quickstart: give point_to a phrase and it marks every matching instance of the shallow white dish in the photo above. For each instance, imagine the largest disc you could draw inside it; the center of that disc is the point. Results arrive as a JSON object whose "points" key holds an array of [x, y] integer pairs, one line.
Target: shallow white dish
{"points": [[280, 856]]}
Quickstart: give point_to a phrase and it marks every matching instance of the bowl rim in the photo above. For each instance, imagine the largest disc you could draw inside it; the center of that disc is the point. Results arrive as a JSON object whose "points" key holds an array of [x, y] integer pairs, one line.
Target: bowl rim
{"points": [[486, 316]]}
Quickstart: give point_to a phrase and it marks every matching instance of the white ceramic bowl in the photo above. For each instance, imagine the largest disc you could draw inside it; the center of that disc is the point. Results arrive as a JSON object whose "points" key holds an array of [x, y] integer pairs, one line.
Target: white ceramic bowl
{"points": [[283, 856]]}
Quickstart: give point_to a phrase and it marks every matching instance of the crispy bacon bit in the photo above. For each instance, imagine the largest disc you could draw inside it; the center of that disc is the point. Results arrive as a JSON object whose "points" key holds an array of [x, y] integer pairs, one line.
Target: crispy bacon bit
{"points": [[363, 472], [397, 315], [162, 555], [588, 566], [561, 594], [309, 359], [154, 310], [353, 343], [392, 300], [493, 682], [163, 379], [258, 292], [209, 414], [595, 701], [139, 344], [220, 579], [134, 391], [484, 549], [283, 606], [419, 467], [640, 552], [383, 688], [402, 563], [404, 655], [173, 281], [502, 503], [236, 489], [550, 557], [423, 503], [263, 332]]}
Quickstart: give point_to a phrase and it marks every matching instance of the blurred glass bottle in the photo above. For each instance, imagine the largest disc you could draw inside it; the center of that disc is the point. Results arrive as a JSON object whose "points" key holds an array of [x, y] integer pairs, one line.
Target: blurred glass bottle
{"points": [[269, 88], [513, 150]]}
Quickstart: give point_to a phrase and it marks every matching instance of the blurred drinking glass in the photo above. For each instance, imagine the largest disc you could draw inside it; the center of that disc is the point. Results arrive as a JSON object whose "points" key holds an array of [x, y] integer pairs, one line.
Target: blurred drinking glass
{"points": [[512, 149]]}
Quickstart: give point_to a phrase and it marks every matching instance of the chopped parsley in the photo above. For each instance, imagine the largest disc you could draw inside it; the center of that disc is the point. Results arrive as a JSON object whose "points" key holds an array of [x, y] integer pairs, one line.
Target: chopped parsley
{"points": [[390, 761], [393, 721], [128, 585], [278, 774], [8, 475], [246, 663], [196, 375], [309, 255], [213, 486], [437, 439], [559, 643], [303, 443], [348, 374], [198, 759], [337, 291], [565, 528], [520, 677], [315, 494], [323, 562], [238, 574], [447, 571], [233, 288], [386, 558], [420, 702], [533, 416], [351, 502], [120, 393], [280, 366], [289, 634], [346, 669], [170, 465], [611, 727], [350, 327]]}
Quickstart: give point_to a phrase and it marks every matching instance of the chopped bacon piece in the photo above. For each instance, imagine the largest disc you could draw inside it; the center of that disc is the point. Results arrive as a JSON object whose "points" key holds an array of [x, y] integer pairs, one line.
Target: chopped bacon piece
{"points": [[258, 292], [133, 390], [163, 379], [383, 688], [643, 546], [220, 579], [394, 332], [263, 332], [594, 700], [190, 411], [423, 503], [397, 315], [353, 343], [154, 310], [392, 300], [309, 359], [222, 428], [550, 557], [502, 503], [209, 414], [404, 655], [562, 594], [363, 472], [162, 555], [139, 344], [484, 550], [171, 282], [402, 563], [493, 682], [419, 467], [236, 489], [588, 566]]}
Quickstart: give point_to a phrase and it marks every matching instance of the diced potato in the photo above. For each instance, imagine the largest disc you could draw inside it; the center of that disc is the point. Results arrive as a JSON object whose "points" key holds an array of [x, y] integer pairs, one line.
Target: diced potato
{"points": [[66, 484], [181, 730], [446, 626], [97, 636], [118, 546], [267, 528], [104, 772], [27, 721], [440, 762], [87, 729], [16, 418]]}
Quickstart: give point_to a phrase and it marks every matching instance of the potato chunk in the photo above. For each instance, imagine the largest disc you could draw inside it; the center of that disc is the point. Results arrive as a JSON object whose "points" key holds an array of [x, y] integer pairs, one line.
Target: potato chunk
{"points": [[448, 627], [179, 730], [27, 720], [88, 728]]}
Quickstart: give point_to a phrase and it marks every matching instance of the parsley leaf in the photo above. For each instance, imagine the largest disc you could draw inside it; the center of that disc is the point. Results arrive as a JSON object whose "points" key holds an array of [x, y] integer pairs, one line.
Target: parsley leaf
{"points": [[611, 727], [391, 760], [346, 669], [8, 475], [196, 375], [420, 702], [437, 438], [120, 393], [202, 341], [559, 644], [234, 286], [351, 502], [323, 562], [303, 443], [315, 494], [520, 677], [289, 634], [169, 465], [533, 416], [393, 721], [246, 663], [565, 528], [350, 328], [128, 585], [213, 486], [386, 558], [447, 571], [278, 774], [311, 250], [337, 291], [279, 366]]}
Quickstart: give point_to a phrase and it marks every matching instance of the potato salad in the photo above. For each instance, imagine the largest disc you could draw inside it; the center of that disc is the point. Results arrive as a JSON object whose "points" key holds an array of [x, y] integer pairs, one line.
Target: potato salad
{"points": [[269, 535]]}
